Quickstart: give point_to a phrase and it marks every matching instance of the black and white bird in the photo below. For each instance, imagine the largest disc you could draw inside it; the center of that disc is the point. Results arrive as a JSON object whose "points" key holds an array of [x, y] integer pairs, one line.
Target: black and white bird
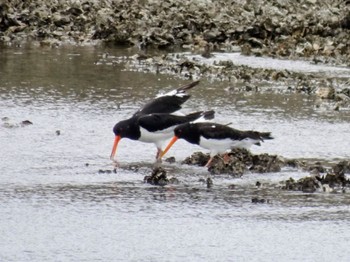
{"points": [[154, 122], [217, 138]]}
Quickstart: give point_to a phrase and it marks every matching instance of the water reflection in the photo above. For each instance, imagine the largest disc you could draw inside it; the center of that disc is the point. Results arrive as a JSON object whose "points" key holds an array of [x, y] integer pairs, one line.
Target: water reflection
{"points": [[71, 75]]}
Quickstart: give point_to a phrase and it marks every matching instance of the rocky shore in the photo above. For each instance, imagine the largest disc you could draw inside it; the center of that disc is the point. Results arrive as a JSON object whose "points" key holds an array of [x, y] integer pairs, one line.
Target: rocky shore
{"points": [[323, 177], [315, 30]]}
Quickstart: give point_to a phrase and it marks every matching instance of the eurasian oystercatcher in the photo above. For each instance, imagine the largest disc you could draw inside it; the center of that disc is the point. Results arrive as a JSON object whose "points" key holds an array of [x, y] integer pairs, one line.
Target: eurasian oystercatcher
{"points": [[216, 137], [154, 128], [153, 122]]}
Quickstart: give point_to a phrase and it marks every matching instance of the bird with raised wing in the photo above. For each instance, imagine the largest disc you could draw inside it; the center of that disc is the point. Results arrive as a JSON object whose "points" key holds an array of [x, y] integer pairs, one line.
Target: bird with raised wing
{"points": [[154, 123], [153, 128]]}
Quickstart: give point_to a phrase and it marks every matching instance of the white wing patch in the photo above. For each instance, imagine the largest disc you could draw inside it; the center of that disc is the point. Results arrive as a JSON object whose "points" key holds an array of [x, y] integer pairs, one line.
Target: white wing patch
{"points": [[172, 93], [201, 120]]}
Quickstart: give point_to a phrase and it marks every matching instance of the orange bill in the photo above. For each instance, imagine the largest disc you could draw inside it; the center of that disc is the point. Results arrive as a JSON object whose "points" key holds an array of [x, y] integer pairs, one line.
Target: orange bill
{"points": [[172, 141], [114, 149]]}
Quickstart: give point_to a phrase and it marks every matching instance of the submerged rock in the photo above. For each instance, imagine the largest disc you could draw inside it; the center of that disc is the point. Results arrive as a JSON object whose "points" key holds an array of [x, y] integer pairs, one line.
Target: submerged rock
{"points": [[306, 184], [332, 179], [26, 123], [105, 171], [159, 178], [7, 124], [210, 182], [256, 200]]}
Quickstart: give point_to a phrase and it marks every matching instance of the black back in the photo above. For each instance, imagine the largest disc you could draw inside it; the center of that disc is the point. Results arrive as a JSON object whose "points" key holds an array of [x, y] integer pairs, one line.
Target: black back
{"points": [[157, 122], [193, 131]]}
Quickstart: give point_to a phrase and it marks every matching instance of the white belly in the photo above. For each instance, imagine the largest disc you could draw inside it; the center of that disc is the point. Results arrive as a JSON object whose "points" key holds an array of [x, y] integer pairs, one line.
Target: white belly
{"points": [[222, 145], [158, 137]]}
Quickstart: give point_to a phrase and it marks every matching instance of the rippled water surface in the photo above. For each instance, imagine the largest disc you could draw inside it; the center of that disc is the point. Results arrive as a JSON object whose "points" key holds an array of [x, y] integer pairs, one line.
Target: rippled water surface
{"points": [[56, 205]]}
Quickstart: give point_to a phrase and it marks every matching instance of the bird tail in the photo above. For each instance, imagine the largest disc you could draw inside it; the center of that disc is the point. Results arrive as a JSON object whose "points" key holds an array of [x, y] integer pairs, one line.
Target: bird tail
{"points": [[259, 136], [187, 86], [265, 135]]}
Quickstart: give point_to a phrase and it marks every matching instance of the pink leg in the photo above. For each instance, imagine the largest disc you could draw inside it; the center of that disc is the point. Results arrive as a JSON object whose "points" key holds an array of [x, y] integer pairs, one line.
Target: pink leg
{"points": [[226, 158], [209, 162], [159, 153]]}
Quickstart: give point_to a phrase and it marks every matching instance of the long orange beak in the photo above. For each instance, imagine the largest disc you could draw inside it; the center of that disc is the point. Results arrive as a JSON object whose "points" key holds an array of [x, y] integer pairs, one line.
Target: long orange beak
{"points": [[172, 141], [114, 149]]}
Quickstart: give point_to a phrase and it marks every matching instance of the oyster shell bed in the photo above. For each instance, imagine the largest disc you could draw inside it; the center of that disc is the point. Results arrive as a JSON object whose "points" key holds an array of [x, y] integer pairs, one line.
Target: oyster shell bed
{"points": [[323, 177], [317, 30]]}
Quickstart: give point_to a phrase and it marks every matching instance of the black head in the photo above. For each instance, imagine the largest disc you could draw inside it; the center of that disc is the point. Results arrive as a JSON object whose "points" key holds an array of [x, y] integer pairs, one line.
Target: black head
{"points": [[189, 132], [127, 128]]}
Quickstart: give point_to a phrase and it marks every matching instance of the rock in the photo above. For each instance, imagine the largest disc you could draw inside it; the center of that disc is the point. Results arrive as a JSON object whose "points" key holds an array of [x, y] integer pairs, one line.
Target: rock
{"points": [[316, 167], [107, 171], [159, 178], [74, 11], [342, 167], [265, 163], [306, 184], [170, 160], [326, 92], [334, 178], [236, 162], [60, 20], [209, 182], [262, 28], [256, 200], [197, 158], [26, 123]]}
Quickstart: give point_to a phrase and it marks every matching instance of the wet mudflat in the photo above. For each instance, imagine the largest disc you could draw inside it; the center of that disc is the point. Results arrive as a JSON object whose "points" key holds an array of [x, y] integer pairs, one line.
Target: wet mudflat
{"points": [[61, 200]]}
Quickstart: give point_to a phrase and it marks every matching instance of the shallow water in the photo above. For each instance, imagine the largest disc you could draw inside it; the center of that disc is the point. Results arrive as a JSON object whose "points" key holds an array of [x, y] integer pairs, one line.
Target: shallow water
{"points": [[57, 206], [274, 63]]}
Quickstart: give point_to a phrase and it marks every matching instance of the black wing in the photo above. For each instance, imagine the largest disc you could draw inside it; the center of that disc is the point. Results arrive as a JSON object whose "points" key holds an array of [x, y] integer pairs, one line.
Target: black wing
{"points": [[163, 104], [158, 122], [168, 103], [218, 131]]}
